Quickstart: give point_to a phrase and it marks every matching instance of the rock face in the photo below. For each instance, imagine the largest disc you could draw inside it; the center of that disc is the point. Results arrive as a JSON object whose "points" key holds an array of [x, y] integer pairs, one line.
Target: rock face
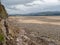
{"points": [[9, 38], [27, 39], [3, 13], [3, 16], [9, 33]]}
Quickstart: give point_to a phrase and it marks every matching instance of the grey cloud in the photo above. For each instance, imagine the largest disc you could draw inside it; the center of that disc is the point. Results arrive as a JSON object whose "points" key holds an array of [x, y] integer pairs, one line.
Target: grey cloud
{"points": [[38, 9], [31, 8], [14, 2]]}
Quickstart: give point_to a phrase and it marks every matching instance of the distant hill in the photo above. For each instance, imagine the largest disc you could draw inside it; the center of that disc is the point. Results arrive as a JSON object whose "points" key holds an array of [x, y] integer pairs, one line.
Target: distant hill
{"points": [[48, 13]]}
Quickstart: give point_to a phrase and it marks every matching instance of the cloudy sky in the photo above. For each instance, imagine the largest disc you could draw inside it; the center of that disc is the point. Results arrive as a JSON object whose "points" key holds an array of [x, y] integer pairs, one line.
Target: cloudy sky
{"points": [[30, 6]]}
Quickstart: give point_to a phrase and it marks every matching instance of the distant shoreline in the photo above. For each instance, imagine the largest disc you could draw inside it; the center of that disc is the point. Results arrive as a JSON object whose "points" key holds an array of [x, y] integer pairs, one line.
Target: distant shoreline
{"points": [[34, 15]]}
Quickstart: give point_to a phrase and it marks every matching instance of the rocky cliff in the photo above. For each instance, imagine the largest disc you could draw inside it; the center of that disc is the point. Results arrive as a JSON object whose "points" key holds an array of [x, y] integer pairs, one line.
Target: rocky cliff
{"points": [[6, 33], [3, 13]]}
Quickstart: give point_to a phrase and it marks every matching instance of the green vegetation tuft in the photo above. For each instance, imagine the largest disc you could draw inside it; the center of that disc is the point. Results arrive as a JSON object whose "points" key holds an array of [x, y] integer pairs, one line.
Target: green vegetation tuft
{"points": [[1, 38]]}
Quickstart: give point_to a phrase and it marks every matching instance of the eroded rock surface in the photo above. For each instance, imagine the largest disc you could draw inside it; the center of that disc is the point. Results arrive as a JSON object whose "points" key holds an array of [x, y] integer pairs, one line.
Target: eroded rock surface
{"points": [[28, 39]]}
